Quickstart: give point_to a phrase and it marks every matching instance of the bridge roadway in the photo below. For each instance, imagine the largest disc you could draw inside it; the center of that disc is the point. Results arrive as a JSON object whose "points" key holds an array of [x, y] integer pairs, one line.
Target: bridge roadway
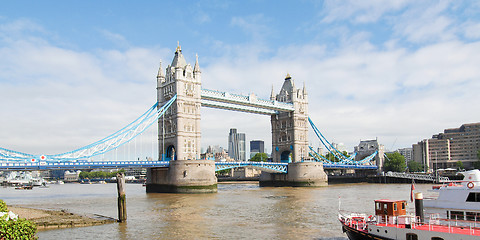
{"points": [[267, 166]]}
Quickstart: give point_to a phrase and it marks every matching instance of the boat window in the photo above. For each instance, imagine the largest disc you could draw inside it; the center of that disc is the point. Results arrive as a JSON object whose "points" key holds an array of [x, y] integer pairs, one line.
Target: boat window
{"points": [[412, 236], [403, 205], [394, 207], [377, 205], [473, 197], [456, 215], [472, 216]]}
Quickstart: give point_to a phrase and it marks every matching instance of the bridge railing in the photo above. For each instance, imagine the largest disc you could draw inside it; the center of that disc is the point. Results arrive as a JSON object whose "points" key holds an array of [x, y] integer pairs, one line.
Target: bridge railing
{"points": [[416, 176], [249, 100]]}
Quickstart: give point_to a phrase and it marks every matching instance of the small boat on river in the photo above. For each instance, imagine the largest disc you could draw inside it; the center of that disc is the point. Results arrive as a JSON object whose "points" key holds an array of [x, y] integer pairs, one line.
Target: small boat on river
{"points": [[391, 222], [24, 187]]}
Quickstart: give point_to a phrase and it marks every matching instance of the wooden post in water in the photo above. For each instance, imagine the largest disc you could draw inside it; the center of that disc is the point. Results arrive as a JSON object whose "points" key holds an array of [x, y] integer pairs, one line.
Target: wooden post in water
{"points": [[122, 204]]}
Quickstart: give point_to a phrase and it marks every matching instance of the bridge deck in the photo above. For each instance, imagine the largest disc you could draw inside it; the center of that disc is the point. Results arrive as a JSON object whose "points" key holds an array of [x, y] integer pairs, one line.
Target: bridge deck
{"points": [[275, 167]]}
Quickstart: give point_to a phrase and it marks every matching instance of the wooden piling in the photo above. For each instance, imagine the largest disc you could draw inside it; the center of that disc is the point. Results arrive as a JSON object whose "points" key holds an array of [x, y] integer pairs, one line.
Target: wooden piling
{"points": [[122, 204]]}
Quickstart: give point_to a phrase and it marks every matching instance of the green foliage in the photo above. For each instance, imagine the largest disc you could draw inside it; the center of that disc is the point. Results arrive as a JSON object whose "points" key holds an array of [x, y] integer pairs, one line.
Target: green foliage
{"points": [[259, 157], [478, 155], [394, 162], [16, 229], [223, 172], [3, 206], [332, 157], [415, 166], [476, 164], [99, 174], [459, 165]]}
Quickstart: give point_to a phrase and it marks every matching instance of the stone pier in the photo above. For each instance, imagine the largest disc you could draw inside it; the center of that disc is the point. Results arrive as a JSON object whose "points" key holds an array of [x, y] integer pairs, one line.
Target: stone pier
{"points": [[183, 176], [300, 174]]}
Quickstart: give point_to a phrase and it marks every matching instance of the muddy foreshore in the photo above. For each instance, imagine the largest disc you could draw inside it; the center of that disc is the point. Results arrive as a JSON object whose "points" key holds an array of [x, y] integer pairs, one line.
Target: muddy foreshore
{"points": [[54, 219]]}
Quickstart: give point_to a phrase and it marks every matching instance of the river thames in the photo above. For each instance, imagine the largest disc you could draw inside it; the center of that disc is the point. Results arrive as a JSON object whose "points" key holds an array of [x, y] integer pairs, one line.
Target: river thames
{"points": [[237, 211]]}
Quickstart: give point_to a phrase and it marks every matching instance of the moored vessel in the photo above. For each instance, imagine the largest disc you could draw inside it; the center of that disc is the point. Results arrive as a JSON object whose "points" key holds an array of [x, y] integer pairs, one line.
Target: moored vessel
{"points": [[457, 200], [391, 222]]}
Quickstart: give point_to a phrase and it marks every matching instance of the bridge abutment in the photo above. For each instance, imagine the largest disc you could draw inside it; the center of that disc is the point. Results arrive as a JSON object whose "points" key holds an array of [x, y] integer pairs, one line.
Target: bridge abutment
{"points": [[300, 174], [183, 176]]}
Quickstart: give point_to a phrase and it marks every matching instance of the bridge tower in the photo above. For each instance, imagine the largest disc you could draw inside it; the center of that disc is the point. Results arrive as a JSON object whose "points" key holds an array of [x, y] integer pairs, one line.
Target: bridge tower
{"points": [[179, 132], [290, 142], [290, 129]]}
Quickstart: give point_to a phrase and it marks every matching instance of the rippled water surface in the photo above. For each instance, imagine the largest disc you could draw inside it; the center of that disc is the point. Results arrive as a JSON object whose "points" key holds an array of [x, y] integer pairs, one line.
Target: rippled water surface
{"points": [[237, 211]]}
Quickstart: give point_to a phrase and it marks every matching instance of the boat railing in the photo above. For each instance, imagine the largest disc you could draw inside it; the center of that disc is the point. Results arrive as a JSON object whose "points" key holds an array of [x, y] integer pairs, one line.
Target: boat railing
{"points": [[357, 221], [454, 225], [457, 183]]}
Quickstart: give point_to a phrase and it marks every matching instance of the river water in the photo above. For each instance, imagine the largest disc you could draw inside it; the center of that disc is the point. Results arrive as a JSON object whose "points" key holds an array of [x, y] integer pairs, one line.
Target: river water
{"points": [[237, 211]]}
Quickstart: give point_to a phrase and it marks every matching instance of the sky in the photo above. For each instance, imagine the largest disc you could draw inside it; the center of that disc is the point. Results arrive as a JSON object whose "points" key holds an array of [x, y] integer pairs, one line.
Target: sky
{"points": [[73, 72]]}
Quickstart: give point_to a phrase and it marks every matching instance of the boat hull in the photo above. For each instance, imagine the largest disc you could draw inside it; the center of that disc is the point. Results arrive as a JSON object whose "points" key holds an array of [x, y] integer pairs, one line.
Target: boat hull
{"points": [[354, 234]]}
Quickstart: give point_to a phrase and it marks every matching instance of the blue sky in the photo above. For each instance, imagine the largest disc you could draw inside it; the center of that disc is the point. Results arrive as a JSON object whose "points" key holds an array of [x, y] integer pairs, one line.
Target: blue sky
{"points": [[401, 71]]}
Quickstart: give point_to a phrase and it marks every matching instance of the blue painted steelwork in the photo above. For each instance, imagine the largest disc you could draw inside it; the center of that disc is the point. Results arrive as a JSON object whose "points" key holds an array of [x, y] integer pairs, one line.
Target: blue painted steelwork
{"points": [[265, 166], [15, 166], [343, 160], [102, 146], [323, 159], [349, 166]]}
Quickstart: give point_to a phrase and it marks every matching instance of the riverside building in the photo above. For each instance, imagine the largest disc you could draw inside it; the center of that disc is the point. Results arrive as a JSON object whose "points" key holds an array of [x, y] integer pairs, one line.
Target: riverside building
{"points": [[445, 149]]}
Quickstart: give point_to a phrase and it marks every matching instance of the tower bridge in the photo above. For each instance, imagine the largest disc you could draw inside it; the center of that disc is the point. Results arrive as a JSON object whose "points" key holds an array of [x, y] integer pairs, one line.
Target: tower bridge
{"points": [[177, 113], [179, 129]]}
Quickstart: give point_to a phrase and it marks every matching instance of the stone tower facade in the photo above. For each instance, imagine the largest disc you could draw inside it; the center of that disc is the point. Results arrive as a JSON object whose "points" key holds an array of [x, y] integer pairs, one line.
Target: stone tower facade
{"points": [[290, 129], [179, 132]]}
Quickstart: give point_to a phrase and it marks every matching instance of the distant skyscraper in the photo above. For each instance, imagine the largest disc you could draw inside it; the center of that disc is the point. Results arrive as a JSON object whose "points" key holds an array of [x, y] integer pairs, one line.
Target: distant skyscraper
{"points": [[236, 145], [256, 146]]}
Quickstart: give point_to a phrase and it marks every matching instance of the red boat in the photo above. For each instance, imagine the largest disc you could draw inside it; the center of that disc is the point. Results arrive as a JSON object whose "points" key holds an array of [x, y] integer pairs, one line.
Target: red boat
{"points": [[391, 222]]}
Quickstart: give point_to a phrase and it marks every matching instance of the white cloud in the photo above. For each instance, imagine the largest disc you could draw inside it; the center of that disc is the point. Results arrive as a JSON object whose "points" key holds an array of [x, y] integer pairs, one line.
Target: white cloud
{"points": [[426, 22], [390, 94], [359, 11], [471, 30], [60, 99]]}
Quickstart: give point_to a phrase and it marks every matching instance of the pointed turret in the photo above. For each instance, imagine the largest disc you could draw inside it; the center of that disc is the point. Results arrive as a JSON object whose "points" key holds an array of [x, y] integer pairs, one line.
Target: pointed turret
{"points": [[304, 89], [196, 68], [179, 61], [272, 95], [160, 75]]}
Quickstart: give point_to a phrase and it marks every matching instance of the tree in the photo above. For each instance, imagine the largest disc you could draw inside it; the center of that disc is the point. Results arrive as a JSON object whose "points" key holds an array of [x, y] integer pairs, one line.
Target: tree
{"points": [[459, 165], [333, 157], [259, 157], [414, 166], [394, 162]]}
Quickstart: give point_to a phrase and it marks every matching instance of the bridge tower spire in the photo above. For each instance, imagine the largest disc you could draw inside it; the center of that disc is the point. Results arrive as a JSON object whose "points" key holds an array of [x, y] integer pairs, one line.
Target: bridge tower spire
{"points": [[290, 129]]}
